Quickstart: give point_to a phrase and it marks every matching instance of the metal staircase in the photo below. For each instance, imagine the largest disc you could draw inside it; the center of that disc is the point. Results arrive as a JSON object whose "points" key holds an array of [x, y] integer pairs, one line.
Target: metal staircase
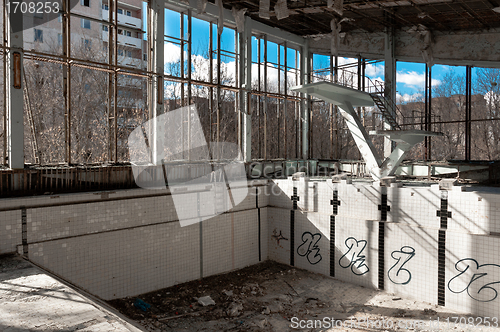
{"points": [[375, 89], [387, 114]]}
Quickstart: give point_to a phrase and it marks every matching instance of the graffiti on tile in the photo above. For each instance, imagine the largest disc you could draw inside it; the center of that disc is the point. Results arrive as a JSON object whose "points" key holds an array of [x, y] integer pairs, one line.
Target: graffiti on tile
{"points": [[398, 273], [309, 247], [354, 257], [480, 282], [278, 237]]}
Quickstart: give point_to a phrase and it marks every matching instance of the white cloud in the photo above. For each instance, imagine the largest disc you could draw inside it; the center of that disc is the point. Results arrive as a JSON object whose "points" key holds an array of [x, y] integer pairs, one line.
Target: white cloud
{"points": [[408, 98], [172, 52], [374, 70], [414, 79]]}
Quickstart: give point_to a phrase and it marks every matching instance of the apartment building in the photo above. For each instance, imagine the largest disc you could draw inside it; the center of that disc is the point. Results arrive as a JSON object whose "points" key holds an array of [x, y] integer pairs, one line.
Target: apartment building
{"points": [[89, 40]]}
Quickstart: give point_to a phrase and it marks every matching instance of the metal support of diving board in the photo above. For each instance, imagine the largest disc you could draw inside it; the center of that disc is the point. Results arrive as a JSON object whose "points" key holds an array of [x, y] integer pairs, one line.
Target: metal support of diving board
{"points": [[347, 99]]}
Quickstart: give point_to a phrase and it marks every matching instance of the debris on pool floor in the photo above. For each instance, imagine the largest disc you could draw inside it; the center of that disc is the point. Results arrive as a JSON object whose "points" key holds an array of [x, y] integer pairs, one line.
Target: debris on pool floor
{"points": [[276, 297]]}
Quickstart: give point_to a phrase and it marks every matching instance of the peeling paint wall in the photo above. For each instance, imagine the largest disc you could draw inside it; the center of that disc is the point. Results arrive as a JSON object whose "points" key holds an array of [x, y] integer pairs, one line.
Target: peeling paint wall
{"points": [[461, 48]]}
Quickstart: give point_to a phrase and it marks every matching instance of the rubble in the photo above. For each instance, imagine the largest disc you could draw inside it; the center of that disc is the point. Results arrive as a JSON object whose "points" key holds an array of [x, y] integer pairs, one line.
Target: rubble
{"points": [[206, 301], [265, 297]]}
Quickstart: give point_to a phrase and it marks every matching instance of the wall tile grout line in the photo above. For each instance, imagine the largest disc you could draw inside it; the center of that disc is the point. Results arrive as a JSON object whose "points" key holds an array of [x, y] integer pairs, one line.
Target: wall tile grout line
{"points": [[443, 215], [335, 202], [295, 199], [259, 222], [383, 208], [24, 225]]}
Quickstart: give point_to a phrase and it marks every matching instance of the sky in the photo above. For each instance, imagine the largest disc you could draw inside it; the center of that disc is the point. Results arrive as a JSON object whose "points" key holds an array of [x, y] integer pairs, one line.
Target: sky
{"points": [[410, 78]]}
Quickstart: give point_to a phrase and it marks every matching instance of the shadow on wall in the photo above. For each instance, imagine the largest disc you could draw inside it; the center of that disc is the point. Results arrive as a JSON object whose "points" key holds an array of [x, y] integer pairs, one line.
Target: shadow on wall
{"points": [[320, 242], [422, 242]]}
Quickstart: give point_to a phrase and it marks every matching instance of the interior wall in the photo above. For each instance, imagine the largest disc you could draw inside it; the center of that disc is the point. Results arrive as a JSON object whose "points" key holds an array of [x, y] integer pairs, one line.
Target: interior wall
{"points": [[125, 243], [420, 242]]}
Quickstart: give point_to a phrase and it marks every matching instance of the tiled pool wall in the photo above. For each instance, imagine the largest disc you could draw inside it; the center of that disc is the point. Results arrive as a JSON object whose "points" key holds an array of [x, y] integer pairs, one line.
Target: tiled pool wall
{"points": [[437, 246], [130, 242], [431, 245]]}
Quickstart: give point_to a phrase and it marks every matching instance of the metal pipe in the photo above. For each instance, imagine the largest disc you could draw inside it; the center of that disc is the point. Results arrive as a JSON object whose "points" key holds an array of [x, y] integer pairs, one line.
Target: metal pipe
{"points": [[110, 77], [218, 86], [426, 110], [285, 117], [115, 87], [265, 96], [278, 106], [182, 71], [211, 78], [189, 68], [468, 113], [4, 23], [259, 99]]}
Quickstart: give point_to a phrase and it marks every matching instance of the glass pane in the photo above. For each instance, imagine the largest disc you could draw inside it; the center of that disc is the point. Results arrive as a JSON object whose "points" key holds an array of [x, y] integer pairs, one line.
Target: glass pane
{"points": [[172, 24], [42, 31], [200, 50], [272, 135], [201, 99], [257, 127], [485, 137], [320, 130], [410, 83], [89, 116], [44, 113], [228, 117], [172, 59], [451, 146], [132, 110]]}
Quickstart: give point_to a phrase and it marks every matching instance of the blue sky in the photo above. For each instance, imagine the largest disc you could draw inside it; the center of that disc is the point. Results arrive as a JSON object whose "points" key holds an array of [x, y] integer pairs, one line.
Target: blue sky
{"points": [[410, 76]]}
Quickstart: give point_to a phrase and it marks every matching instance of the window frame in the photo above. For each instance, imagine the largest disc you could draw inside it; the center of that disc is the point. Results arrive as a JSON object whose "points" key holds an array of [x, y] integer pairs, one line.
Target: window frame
{"points": [[38, 35], [83, 24]]}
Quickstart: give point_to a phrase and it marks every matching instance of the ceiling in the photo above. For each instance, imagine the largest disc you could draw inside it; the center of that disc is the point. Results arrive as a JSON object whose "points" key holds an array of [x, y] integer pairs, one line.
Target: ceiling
{"points": [[312, 17]]}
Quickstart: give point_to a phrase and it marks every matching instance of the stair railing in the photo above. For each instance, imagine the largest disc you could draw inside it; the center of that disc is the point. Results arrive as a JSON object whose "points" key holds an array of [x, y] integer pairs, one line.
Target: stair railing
{"points": [[350, 79]]}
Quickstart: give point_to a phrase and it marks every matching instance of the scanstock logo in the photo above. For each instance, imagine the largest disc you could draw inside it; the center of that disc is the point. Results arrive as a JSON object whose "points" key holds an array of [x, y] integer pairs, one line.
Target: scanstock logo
{"points": [[24, 15], [205, 180]]}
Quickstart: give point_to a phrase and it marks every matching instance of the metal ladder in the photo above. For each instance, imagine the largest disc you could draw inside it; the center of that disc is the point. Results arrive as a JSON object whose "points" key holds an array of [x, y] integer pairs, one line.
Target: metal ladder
{"points": [[388, 114], [375, 88]]}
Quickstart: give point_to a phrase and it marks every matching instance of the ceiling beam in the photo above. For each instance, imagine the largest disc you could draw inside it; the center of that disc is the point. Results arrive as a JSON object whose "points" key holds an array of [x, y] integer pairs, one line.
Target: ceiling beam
{"points": [[463, 48]]}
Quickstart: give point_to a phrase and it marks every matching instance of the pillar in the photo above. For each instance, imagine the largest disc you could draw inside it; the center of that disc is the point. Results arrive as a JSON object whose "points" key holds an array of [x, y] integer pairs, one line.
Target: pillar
{"points": [[390, 82], [15, 98]]}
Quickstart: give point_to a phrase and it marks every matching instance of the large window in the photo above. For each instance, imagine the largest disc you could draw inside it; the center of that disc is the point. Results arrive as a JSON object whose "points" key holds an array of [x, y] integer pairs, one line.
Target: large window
{"points": [[77, 122]]}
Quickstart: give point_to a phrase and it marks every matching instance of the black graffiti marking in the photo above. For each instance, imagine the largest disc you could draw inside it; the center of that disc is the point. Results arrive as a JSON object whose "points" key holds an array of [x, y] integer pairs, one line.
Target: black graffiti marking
{"points": [[397, 273], [278, 237], [357, 260], [309, 247], [475, 279]]}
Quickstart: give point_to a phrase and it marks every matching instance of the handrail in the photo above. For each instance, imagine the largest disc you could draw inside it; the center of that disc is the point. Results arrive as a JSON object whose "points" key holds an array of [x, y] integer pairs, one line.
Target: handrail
{"points": [[347, 78]]}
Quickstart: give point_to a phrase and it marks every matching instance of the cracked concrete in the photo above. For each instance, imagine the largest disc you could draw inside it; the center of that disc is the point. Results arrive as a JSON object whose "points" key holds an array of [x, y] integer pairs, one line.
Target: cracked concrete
{"points": [[31, 300]]}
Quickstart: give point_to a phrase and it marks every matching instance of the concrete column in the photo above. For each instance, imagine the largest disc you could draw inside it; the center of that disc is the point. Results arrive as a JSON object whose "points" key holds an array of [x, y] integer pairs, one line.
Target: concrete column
{"points": [[304, 106], [390, 82], [14, 84], [246, 84], [156, 28]]}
